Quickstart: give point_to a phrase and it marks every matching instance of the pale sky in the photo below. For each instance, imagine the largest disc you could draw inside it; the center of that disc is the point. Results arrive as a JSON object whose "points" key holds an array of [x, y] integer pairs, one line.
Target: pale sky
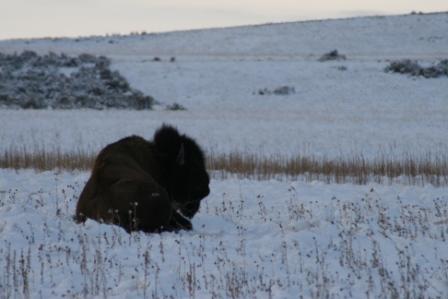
{"points": [[55, 18]]}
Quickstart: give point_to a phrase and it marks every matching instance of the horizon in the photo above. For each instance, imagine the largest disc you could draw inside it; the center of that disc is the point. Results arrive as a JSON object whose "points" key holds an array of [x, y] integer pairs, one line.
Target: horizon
{"points": [[56, 18]]}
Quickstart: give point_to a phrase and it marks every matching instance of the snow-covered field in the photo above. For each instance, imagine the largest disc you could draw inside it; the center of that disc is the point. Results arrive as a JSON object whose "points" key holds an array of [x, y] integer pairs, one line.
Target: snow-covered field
{"points": [[217, 73], [251, 239]]}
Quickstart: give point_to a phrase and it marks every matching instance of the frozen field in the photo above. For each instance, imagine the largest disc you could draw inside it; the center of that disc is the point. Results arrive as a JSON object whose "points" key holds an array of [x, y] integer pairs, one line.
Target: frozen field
{"points": [[217, 74], [251, 239]]}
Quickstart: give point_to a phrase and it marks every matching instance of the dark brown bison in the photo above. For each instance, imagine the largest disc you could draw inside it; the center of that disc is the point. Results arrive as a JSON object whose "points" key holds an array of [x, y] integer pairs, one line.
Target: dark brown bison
{"points": [[143, 185]]}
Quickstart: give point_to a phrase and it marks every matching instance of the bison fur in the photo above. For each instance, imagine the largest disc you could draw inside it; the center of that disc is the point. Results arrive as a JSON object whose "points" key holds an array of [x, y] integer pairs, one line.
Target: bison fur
{"points": [[150, 186]]}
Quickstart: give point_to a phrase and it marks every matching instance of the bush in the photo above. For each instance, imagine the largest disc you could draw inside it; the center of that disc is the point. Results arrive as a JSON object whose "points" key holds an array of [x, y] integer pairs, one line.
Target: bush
{"points": [[413, 68], [175, 107], [280, 91], [332, 55], [31, 81]]}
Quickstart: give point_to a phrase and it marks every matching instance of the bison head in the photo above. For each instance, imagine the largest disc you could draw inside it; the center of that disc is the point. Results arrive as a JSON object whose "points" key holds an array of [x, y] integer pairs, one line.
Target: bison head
{"points": [[185, 176]]}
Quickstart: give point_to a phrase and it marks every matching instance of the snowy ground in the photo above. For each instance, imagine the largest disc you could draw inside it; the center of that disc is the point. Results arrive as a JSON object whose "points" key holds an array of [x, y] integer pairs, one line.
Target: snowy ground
{"points": [[251, 239], [217, 73]]}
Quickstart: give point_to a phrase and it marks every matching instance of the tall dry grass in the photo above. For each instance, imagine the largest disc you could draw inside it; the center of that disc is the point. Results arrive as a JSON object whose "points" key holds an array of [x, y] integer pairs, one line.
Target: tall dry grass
{"points": [[412, 170], [46, 160]]}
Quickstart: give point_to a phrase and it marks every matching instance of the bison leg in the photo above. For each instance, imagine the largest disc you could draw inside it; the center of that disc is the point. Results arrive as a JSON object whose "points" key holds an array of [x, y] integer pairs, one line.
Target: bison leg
{"points": [[85, 201], [178, 222], [139, 205], [131, 204]]}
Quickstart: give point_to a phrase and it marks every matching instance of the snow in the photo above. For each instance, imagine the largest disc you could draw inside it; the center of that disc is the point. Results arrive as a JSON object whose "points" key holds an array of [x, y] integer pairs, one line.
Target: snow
{"points": [[388, 128], [217, 74], [250, 239], [382, 37]]}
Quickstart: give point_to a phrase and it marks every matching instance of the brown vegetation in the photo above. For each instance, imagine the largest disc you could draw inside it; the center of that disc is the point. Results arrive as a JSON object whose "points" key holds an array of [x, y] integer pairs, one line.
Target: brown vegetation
{"points": [[359, 170], [412, 170]]}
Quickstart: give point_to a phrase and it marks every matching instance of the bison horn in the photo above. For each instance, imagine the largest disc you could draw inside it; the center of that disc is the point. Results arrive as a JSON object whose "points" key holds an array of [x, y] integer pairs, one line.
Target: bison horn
{"points": [[181, 155]]}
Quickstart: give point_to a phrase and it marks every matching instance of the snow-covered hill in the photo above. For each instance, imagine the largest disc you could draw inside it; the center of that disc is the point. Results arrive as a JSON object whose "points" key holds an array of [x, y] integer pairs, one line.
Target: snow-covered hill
{"points": [[338, 108], [411, 36]]}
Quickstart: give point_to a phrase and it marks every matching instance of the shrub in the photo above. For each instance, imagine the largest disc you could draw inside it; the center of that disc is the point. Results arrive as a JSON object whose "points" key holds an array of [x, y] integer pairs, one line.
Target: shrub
{"points": [[175, 107], [280, 91], [59, 81], [413, 68], [332, 55]]}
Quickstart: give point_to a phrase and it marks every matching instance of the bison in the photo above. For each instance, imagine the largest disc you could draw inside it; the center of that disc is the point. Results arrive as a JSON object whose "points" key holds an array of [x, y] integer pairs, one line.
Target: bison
{"points": [[151, 186]]}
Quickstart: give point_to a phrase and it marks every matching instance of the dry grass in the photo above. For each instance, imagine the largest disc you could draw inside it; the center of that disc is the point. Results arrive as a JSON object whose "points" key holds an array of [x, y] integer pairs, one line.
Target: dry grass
{"points": [[411, 170], [44, 160]]}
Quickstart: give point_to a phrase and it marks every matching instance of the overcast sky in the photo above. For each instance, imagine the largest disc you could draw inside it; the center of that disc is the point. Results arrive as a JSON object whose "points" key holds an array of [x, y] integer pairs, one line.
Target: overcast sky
{"points": [[39, 18]]}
